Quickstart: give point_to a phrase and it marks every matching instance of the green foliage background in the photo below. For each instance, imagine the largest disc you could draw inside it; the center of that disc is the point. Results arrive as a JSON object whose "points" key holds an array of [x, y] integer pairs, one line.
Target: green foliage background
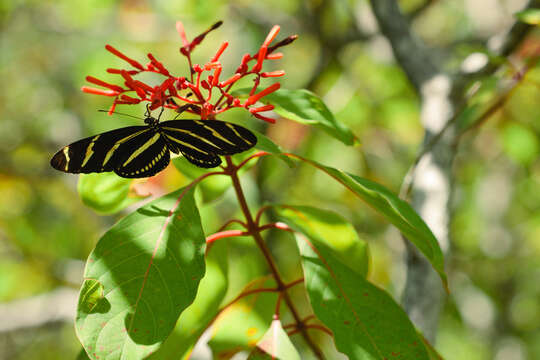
{"points": [[46, 232]]}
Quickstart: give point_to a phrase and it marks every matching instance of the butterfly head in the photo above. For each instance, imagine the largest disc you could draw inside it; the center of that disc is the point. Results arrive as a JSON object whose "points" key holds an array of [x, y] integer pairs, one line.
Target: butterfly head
{"points": [[151, 121]]}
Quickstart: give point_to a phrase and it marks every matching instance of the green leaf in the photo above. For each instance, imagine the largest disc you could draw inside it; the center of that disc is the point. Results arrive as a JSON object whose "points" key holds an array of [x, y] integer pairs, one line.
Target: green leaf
{"points": [[265, 144], [433, 354], [332, 230], [243, 323], [82, 355], [140, 277], [106, 193], [529, 16], [395, 210], [275, 344], [366, 322], [305, 107], [196, 318]]}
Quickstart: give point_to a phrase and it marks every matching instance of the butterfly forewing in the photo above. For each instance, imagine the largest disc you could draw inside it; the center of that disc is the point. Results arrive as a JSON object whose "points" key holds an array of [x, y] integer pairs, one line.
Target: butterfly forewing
{"points": [[97, 153], [201, 141]]}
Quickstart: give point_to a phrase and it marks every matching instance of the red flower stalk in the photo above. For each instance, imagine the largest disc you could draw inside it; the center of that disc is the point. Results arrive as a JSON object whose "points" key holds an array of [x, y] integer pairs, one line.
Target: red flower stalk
{"points": [[201, 82]]}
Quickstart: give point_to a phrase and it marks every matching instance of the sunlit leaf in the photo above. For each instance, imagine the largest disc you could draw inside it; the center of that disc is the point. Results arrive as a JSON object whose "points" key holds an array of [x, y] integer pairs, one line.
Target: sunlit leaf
{"points": [[332, 230], [242, 324], [307, 108], [275, 344], [196, 318], [265, 144], [106, 193], [395, 210], [529, 16], [140, 277], [366, 322]]}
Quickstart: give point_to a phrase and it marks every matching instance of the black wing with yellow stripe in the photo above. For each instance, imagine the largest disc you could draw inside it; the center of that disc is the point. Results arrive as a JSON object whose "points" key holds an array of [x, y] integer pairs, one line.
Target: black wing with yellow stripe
{"points": [[202, 141], [142, 151]]}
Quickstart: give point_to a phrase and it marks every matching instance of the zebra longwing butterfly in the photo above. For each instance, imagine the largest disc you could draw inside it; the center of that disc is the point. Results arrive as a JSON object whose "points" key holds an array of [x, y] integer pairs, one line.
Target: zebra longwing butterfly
{"points": [[142, 151]]}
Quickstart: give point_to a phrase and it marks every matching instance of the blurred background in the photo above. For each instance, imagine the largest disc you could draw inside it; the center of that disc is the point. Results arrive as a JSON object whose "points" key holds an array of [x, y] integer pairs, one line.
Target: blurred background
{"points": [[46, 232]]}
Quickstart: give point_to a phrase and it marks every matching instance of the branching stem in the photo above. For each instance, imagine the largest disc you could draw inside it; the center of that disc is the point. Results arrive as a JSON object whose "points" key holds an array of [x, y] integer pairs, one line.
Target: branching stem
{"points": [[253, 229]]}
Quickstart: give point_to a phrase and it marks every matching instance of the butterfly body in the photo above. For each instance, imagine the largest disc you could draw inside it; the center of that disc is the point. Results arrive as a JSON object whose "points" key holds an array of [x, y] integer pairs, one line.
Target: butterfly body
{"points": [[142, 151]]}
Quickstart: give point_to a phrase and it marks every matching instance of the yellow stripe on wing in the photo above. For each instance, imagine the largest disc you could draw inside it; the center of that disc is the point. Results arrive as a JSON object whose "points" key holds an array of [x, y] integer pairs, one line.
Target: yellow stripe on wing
{"points": [[120, 142], [89, 151], [186, 144], [141, 149], [190, 133], [214, 132], [231, 126], [66, 155]]}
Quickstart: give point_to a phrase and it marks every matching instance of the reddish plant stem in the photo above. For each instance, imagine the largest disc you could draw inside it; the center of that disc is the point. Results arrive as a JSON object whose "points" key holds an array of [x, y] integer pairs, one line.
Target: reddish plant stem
{"points": [[276, 225], [260, 213], [295, 282], [225, 234], [304, 320], [254, 156], [317, 327], [232, 221], [320, 327], [253, 229], [278, 305]]}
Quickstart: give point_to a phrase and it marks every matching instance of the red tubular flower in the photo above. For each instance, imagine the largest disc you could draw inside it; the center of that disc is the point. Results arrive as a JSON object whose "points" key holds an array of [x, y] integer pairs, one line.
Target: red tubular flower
{"points": [[172, 89], [180, 29], [275, 56], [133, 63], [271, 35], [215, 79], [254, 98], [158, 65], [143, 86], [119, 71], [277, 73], [260, 59], [113, 107], [264, 118], [261, 108], [129, 99], [91, 90], [95, 81], [220, 51], [230, 80]]}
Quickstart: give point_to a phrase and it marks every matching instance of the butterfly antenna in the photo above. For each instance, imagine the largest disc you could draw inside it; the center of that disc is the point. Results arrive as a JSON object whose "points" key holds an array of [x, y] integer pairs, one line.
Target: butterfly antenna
{"points": [[161, 112], [119, 113]]}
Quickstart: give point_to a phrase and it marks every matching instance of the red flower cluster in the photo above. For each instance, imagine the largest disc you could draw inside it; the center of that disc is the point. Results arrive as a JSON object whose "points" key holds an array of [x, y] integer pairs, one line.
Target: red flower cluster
{"points": [[202, 81]]}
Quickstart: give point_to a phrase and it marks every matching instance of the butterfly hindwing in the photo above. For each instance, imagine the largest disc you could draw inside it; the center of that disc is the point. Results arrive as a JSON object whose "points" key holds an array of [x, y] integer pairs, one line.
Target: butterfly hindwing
{"points": [[147, 160], [97, 153], [201, 141], [143, 156]]}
